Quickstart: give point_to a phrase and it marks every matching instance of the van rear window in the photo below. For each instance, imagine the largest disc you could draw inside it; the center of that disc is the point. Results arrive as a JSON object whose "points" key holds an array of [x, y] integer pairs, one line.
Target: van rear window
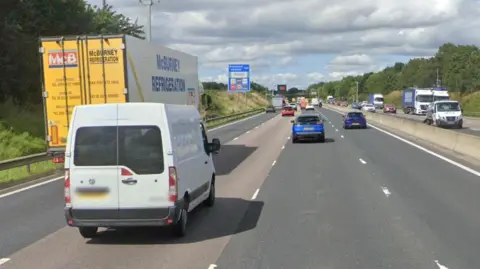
{"points": [[136, 147]]}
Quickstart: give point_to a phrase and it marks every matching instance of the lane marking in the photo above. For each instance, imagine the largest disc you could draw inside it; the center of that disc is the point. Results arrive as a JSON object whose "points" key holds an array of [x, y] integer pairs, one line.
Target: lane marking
{"points": [[212, 266], [336, 130], [4, 260], [362, 161], [31, 187], [274, 162], [440, 265], [288, 138], [235, 122], [386, 191], [248, 132], [60, 178], [283, 147], [256, 127], [342, 136], [255, 194], [450, 161], [333, 126], [235, 138]]}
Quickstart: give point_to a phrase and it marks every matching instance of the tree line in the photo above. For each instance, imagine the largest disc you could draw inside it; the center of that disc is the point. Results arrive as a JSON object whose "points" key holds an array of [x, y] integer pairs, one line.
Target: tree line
{"points": [[458, 69], [216, 86], [24, 21]]}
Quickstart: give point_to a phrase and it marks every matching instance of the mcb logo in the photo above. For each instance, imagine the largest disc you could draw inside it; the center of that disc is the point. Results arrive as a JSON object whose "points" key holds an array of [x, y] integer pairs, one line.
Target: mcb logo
{"points": [[60, 59]]}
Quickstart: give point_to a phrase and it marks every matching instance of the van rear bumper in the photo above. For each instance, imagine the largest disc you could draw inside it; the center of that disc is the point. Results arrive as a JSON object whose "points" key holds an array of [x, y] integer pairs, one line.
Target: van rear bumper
{"points": [[122, 217]]}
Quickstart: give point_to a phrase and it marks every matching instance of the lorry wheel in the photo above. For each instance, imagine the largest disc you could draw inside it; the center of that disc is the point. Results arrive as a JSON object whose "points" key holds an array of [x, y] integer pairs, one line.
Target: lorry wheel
{"points": [[88, 232]]}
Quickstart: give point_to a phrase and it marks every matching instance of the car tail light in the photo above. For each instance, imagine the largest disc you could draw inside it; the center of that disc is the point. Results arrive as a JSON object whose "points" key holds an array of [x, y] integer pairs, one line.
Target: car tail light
{"points": [[172, 184], [68, 198], [319, 123], [57, 160]]}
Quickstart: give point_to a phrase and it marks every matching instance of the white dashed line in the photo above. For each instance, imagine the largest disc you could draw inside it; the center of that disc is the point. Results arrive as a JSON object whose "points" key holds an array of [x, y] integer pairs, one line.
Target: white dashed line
{"points": [[212, 266], [386, 191], [274, 162], [333, 126], [336, 130], [283, 147], [362, 161], [342, 136], [235, 138], [255, 194], [256, 127], [440, 265], [4, 260]]}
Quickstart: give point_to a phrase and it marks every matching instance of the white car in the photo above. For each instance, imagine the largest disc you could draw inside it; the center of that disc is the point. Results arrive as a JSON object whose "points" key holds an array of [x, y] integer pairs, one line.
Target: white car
{"points": [[310, 107], [137, 165], [368, 107]]}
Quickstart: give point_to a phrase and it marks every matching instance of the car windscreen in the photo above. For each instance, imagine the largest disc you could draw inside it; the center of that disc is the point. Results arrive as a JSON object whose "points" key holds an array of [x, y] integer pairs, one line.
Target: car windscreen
{"points": [[355, 115], [288, 108], [137, 147], [308, 120]]}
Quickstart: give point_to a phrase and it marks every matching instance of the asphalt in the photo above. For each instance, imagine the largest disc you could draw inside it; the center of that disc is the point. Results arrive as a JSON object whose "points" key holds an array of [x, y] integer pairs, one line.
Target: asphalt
{"points": [[363, 199], [28, 216], [470, 126]]}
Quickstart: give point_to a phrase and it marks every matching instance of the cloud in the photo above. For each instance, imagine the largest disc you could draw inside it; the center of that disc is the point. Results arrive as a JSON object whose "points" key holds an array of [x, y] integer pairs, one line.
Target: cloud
{"points": [[298, 41]]}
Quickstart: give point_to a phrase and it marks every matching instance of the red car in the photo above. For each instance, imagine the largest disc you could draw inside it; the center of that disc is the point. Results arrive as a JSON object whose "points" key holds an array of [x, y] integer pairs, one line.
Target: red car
{"points": [[288, 111], [389, 109]]}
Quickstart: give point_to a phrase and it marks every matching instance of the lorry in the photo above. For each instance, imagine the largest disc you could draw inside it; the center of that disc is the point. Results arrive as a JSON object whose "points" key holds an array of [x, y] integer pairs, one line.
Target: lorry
{"points": [[277, 101], [416, 100], [315, 101], [445, 113], [81, 70], [376, 99]]}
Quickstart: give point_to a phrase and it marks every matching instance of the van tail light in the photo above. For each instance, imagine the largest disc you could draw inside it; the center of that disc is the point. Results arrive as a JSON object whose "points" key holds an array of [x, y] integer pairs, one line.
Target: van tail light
{"points": [[68, 198], [172, 184]]}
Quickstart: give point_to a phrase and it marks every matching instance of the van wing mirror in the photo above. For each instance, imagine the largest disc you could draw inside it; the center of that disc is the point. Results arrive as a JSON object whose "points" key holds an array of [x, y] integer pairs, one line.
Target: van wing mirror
{"points": [[215, 146]]}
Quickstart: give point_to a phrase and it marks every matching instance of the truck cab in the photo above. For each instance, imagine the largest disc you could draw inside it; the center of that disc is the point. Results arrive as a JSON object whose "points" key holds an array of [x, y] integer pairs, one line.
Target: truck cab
{"points": [[447, 113], [376, 99], [440, 94]]}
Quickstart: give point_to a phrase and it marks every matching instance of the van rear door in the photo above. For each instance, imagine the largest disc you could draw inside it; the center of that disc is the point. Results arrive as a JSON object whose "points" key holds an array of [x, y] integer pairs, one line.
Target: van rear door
{"points": [[93, 168], [143, 177]]}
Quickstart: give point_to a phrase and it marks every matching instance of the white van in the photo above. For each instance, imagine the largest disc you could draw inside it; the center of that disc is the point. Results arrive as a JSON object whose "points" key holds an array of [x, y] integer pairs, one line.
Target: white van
{"points": [[137, 164]]}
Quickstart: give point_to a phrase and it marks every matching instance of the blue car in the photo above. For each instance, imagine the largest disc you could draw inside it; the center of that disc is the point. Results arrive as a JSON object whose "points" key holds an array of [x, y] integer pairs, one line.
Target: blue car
{"points": [[354, 120], [308, 127]]}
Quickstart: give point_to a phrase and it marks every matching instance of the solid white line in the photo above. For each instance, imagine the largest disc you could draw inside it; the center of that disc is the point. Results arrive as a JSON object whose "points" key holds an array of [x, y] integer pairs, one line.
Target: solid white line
{"points": [[362, 161], [30, 187], [439, 265], [459, 165], [4, 260], [274, 162], [283, 147], [236, 138], [255, 194], [248, 132], [386, 191], [212, 266], [234, 122], [288, 137]]}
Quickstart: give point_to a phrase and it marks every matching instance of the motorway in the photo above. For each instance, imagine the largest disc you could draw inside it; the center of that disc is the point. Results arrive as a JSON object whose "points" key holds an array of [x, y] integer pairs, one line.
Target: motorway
{"points": [[363, 199], [470, 125]]}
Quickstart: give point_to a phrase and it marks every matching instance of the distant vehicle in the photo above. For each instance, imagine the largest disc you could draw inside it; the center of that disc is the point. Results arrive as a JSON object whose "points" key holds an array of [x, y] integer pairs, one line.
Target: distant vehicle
{"points": [[376, 99], [368, 107], [270, 109], [288, 111], [354, 120], [445, 114], [315, 101], [356, 106], [390, 108], [277, 101], [294, 105], [137, 165], [310, 107], [308, 127]]}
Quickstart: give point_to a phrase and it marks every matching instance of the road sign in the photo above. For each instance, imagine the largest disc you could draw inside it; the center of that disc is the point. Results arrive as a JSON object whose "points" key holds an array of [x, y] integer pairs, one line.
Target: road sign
{"points": [[238, 77]]}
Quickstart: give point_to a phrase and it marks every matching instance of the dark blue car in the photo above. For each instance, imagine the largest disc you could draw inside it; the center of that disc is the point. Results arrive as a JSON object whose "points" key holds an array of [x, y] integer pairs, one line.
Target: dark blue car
{"points": [[308, 127], [354, 120]]}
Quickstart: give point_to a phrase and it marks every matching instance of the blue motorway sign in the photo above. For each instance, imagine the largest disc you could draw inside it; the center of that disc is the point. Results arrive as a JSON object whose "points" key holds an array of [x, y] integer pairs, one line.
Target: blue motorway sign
{"points": [[238, 77]]}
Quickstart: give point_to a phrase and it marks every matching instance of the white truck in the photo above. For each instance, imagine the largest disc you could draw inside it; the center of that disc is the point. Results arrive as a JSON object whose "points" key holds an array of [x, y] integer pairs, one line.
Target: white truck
{"points": [[416, 100], [80, 70], [446, 113]]}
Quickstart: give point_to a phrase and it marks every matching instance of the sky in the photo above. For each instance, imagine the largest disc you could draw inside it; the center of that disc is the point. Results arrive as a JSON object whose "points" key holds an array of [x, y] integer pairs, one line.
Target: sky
{"points": [[300, 42]]}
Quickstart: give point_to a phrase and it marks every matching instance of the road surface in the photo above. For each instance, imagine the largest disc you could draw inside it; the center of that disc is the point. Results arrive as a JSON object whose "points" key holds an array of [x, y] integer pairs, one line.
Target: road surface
{"points": [[363, 199]]}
